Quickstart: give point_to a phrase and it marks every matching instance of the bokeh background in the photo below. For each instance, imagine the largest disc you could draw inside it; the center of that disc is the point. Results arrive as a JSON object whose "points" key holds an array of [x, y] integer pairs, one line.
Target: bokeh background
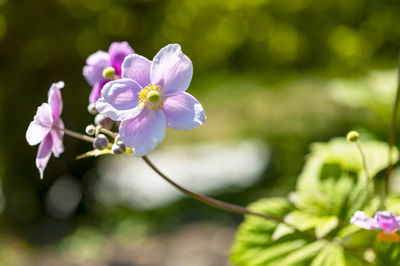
{"points": [[264, 71]]}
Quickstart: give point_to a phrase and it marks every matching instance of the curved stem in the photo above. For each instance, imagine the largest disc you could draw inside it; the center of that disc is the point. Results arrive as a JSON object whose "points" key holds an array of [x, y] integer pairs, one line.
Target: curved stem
{"points": [[392, 131], [221, 204]]}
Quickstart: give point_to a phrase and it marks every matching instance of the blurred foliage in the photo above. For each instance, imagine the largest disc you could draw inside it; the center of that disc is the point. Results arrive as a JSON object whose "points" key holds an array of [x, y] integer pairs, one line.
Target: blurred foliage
{"points": [[260, 71], [331, 187], [376, 92]]}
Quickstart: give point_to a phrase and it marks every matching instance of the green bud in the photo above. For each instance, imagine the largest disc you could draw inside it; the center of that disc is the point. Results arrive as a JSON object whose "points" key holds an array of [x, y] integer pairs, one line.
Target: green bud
{"points": [[353, 136]]}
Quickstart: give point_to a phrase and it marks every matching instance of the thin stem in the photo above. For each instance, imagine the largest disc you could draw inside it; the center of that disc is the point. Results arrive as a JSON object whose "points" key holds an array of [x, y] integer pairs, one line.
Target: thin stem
{"points": [[109, 132], [392, 131], [363, 159], [75, 134], [221, 204]]}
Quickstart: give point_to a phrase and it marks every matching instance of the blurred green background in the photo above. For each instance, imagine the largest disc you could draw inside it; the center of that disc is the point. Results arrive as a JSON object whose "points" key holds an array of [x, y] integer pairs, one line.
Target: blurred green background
{"points": [[263, 70]]}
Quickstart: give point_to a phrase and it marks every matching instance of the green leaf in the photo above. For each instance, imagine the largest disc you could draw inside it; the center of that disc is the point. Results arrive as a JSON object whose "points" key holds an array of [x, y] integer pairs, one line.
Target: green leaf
{"points": [[340, 151], [331, 254], [303, 254], [387, 253], [96, 153], [304, 221], [331, 187]]}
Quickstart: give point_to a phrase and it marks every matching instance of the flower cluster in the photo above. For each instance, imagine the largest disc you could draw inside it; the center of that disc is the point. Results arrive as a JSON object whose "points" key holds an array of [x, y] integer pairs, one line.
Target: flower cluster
{"points": [[142, 96]]}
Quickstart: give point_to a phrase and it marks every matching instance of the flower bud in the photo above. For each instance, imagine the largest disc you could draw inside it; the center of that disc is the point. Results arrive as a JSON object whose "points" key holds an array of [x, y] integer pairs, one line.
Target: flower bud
{"points": [[108, 73], [90, 129], [92, 109], [118, 148], [103, 120], [101, 142], [353, 136]]}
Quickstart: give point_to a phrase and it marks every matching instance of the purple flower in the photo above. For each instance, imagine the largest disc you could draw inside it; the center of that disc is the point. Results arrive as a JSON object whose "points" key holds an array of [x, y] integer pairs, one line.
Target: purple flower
{"points": [[150, 96], [97, 62], [383, 220], [41, 129]]}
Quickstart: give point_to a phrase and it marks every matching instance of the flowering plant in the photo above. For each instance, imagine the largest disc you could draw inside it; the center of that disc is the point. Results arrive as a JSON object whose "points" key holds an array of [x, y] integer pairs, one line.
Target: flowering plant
{"points": [[320, 223]]}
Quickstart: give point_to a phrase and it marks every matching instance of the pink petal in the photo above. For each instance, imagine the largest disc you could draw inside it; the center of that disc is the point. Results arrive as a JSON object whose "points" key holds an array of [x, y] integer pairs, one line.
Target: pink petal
{"points": [[44, 154], [57, 138], [171, 69], [387, 221], [95, 94], [118, 51], [183, 112], [55, 99], [119, 99], [144, 132], [41, 125], [137, 67], [361, 220], [95, 64]]}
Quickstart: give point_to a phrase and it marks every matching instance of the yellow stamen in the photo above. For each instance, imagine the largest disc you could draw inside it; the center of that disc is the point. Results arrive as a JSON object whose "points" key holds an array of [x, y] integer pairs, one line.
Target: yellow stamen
{"points": [[385, 237], [151, 96]]}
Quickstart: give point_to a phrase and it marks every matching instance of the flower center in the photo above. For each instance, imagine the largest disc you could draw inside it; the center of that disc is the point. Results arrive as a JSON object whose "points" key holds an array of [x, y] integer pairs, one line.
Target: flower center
{"points": [[151, 96]]}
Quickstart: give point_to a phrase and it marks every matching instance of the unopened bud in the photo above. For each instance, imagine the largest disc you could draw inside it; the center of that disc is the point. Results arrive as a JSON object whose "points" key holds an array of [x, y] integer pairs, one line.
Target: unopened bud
{"points": [[103, 120], [90, 129], [92, 109], [108, 73], [118, 148], [353, 136], [101, 142]]}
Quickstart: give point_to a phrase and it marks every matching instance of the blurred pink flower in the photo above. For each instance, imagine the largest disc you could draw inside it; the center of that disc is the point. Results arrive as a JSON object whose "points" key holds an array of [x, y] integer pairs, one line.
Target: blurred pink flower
{"points": [[41, 129], [383, 220], [97, 62]]}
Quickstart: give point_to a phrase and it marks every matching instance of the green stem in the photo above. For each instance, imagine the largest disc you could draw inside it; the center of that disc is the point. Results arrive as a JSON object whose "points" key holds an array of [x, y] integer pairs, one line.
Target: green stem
{"points": [[368, 179], [363, 159], [392, 131]]}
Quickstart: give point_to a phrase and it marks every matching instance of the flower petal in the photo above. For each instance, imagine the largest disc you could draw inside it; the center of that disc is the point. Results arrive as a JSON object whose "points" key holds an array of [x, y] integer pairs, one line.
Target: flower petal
{"points": [[118, 51], [387, 221], [361, 220], [183, 112], [95, 94], [171, 69], [95, 64], [40, 126], [137, 67], [55, 99], [144, 132], [44, 154], [57, 138], [119, 99]]}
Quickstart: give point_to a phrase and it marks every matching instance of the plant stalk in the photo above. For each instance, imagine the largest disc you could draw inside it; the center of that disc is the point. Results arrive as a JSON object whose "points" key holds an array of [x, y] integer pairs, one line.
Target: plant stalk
{"points": [[75, 134], [392, 131]]}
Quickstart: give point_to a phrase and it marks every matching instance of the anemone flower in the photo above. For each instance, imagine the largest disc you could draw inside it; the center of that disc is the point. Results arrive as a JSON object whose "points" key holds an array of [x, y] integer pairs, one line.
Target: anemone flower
{"points": [[150, 96], [43, 128]]}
